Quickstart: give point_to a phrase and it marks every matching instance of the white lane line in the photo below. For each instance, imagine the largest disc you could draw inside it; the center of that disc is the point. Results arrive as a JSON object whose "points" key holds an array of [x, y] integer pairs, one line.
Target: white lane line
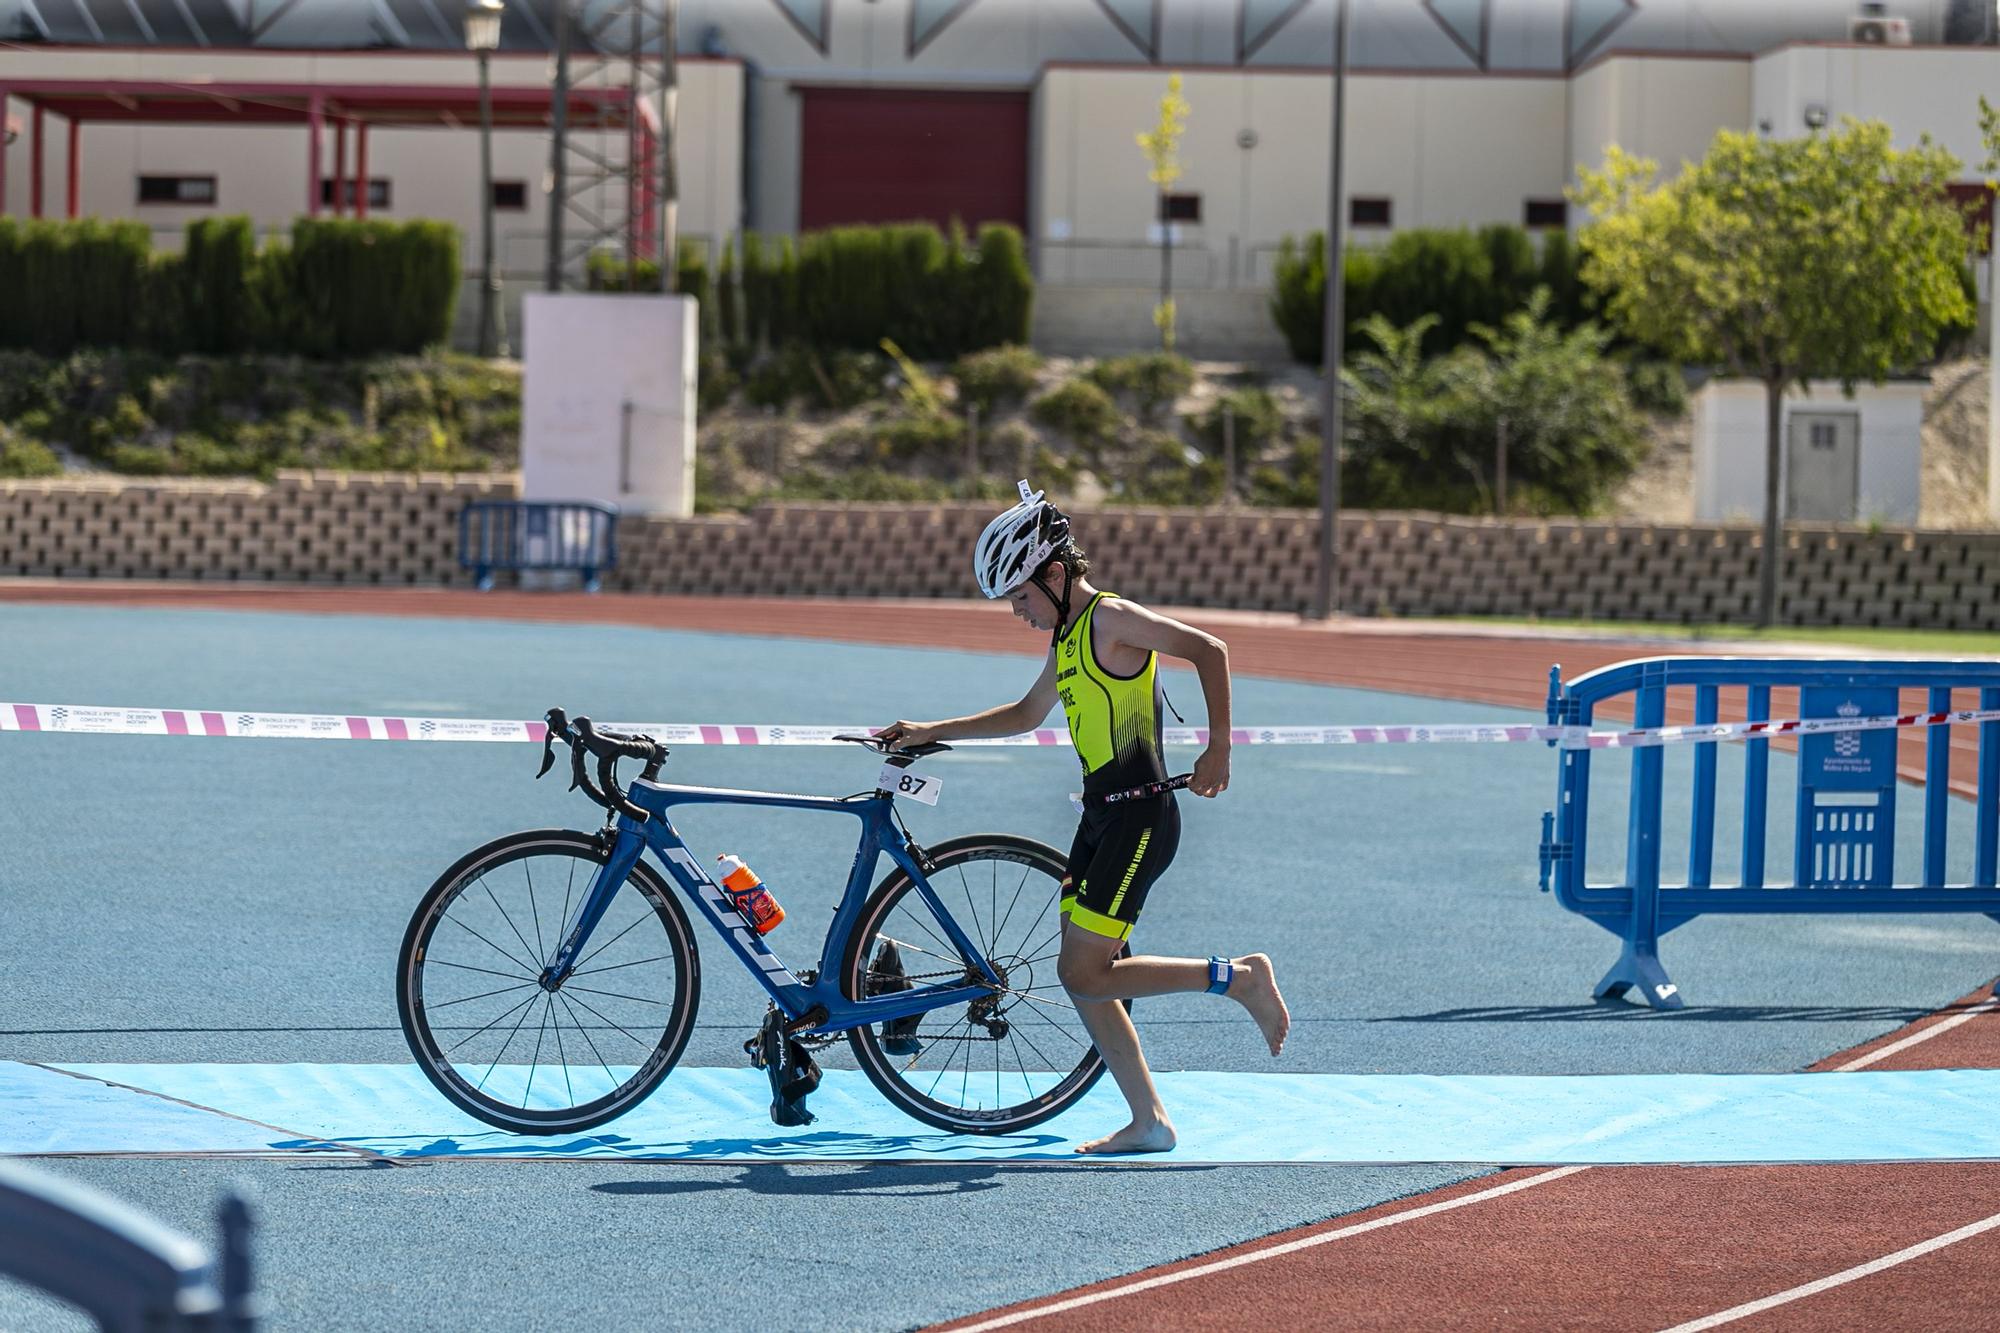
{"points": [[1920, 1036], [1749, 1308], [1258, 1256]]}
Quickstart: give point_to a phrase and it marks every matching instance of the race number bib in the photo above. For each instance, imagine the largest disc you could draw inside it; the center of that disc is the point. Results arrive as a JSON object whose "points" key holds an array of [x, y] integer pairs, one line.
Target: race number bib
{"points": [[912, 786]]}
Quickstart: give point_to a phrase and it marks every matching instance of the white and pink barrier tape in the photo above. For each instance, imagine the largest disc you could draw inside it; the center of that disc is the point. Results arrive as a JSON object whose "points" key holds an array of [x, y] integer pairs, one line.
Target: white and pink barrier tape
{"points": [[106, 721]]}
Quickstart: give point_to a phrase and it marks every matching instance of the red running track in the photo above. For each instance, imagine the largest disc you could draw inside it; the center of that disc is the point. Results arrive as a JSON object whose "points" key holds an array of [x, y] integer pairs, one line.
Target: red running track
{"points": [[1913, 1245]]}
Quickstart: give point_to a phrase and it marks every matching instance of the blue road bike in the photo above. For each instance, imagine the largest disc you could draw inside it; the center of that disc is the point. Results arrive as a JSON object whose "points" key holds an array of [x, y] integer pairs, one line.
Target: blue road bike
{"points": [[548, 981]]}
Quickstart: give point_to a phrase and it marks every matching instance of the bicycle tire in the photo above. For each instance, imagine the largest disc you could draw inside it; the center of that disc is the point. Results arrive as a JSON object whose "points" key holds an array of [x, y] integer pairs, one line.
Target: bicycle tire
{"points": [[435, 1059], [867, 1040]]}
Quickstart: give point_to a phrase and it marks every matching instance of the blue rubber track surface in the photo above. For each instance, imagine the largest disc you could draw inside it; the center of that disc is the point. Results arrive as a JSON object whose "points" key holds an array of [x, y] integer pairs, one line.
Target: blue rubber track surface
{"points": [[182, 900]]}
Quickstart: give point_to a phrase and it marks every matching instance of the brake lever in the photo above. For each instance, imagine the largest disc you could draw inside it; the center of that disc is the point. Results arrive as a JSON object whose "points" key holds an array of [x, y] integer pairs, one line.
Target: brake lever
{"points": [[556, 723]]}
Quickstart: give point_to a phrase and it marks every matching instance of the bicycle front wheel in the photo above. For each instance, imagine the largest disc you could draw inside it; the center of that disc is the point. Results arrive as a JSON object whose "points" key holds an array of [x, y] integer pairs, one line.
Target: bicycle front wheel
{"points": [[1002, 1063], [486, 1033]]}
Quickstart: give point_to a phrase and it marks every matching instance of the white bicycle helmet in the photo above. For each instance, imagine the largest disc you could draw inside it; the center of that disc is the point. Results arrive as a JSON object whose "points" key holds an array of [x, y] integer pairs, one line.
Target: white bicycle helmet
{"points": [[1015, 546]]}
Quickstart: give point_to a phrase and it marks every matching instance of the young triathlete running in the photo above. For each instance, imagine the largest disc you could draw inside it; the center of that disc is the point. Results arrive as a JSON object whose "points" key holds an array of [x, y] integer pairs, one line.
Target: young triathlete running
{"points": [[1102, 667]]}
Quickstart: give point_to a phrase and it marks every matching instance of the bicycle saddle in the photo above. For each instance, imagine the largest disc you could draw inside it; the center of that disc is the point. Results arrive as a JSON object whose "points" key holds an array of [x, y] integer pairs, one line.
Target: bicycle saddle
{"points": [[881, 747]]}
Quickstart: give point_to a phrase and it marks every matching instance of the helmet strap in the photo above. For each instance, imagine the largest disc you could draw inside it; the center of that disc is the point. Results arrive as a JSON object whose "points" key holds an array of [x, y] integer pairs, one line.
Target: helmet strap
{"points": [[1061, 602]]}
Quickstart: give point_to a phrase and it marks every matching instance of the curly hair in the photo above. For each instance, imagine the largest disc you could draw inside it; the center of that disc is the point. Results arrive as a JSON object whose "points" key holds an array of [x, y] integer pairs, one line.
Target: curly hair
{"points": [[1071, 557]]}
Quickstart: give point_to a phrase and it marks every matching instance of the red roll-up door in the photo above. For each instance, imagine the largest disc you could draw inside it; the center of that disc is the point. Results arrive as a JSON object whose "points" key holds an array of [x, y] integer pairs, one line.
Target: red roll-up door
{"points": [[880, 155]]}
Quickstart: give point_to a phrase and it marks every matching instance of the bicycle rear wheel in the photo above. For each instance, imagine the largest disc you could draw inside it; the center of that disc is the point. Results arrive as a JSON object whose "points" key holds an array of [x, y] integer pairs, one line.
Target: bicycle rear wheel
{"points": [[505, 1050], [1002, 1063]]}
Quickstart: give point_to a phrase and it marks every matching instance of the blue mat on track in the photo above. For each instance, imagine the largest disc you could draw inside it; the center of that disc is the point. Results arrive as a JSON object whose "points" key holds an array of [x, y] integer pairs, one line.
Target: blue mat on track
{"points": [[705, 1114]]}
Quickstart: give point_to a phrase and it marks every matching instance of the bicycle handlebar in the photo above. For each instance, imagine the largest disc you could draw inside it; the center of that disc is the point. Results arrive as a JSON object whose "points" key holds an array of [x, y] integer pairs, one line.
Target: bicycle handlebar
{"points": [[609, 747]]}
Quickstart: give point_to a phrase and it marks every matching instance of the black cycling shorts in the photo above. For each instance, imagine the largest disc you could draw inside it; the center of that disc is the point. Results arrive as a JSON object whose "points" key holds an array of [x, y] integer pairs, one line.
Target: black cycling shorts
{"points": [[1119, 851]]}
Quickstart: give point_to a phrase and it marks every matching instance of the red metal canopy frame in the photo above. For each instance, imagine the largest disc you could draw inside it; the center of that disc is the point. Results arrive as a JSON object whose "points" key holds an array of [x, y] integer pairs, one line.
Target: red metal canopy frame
{"points": [[314, 105]]}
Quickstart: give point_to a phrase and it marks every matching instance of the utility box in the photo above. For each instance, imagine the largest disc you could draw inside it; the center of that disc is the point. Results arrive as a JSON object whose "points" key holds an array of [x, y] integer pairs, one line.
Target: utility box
{"points": [[1841, 459], [608, 400]]}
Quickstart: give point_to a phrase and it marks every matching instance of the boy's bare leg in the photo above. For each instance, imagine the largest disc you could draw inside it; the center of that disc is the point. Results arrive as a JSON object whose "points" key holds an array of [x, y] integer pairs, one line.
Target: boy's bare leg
{"points": [[1254, 986], [1097, 983], [1118, 1042]]}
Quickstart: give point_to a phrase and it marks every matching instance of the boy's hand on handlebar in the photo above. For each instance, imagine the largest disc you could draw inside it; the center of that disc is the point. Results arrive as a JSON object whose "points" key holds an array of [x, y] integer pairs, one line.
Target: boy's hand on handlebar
{"points": [[906, 735]]}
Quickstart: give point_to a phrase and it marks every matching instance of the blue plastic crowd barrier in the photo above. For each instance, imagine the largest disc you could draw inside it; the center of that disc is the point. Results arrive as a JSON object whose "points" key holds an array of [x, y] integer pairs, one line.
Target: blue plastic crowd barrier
{"points": [[1844, 854], [119, 1266], [579, 535]]}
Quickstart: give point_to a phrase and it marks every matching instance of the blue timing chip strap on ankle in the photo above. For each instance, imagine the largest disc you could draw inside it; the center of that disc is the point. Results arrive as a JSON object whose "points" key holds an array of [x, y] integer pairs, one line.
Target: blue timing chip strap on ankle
{"points": [[1220, 973]]}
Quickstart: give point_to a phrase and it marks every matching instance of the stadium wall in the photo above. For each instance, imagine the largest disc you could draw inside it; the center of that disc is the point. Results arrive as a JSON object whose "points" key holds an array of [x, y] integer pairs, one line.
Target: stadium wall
{"points": [[402, 529]]}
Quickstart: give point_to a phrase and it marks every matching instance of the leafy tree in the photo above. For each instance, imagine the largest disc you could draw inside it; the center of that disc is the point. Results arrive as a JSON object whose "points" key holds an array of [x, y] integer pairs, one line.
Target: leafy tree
{"points": [[1780, 259], [1162, 147], [1557, 408]]}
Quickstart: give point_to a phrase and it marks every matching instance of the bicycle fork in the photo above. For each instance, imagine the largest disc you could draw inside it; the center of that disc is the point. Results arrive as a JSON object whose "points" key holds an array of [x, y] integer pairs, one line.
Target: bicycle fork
{"points": [[625, 853]]}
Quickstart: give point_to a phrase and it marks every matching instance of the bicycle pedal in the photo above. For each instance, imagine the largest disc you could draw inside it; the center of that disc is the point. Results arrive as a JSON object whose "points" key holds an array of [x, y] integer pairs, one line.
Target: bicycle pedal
{"points": [[886, 976]]}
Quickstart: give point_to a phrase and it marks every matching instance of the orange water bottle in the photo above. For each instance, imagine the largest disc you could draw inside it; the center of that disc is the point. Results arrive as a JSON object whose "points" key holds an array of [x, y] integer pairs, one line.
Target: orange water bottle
{"points": [[752, 899]]}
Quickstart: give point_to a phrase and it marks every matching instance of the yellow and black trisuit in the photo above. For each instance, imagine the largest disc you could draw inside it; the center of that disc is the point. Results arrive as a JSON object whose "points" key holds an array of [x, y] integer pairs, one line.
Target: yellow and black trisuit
{"points": [[1115, 724]]}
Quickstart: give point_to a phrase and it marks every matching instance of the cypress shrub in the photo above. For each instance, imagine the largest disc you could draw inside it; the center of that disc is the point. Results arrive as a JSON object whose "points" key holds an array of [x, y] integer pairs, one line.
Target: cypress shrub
{"points": [[757, 289], [1007, 286], [108, 263], [1461, 277], [14, 325], [727, 320], [48, 289], [215, 270], [350, 288]]}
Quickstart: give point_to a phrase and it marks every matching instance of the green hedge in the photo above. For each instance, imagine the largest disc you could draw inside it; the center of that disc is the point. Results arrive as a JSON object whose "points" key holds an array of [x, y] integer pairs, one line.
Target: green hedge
{"points": [[1463, 277], [341, 288], [935, 296]]}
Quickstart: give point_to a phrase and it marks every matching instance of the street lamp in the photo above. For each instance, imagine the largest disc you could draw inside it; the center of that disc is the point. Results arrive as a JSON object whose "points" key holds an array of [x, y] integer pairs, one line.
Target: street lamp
{"points": [[482, 34]]}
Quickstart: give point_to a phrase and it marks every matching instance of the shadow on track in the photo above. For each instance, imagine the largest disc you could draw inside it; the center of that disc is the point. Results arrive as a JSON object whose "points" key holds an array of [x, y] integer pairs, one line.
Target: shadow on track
{"points": [[1613, 1010]]}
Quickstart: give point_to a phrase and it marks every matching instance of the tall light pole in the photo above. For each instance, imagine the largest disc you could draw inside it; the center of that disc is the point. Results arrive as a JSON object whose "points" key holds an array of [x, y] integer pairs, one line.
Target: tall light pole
{"points": [[1326, 586], [482, 35]]}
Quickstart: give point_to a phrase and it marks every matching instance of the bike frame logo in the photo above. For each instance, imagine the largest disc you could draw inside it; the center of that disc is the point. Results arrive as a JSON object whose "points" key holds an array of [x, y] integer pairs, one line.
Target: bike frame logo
{"points": [[728, 917]]}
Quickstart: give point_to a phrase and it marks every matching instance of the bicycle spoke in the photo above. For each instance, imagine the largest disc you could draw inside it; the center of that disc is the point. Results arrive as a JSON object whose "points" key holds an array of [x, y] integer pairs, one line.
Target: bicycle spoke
{"points": [[615, 938], [1017, 898], [508, 919], [562, 1054], [568, 888], [1057, 1026], [495, 1023], [918, 922], [643, 1045], [916, 948], [587, 1041], [526, 971], [541, 953], [947, 1060], [467, 967], [482, 995], [535, 1060], [505, 1044], [1039, 1052], [584, 972], [966, 885], [636, 999]]}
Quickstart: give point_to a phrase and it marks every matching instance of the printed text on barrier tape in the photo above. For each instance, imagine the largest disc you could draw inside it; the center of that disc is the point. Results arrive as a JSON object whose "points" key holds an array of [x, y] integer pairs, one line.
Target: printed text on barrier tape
{"points": [[104, 721]]}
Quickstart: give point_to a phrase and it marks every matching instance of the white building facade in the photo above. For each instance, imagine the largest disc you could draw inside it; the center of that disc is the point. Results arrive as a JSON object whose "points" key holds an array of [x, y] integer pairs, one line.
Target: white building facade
{"points": [[796, 114]]}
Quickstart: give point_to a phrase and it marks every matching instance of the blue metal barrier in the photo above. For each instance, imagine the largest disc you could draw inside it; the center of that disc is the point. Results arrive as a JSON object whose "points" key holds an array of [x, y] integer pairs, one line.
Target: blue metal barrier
{"points": [[119, 1266], [1844, 850], [579, 535]]}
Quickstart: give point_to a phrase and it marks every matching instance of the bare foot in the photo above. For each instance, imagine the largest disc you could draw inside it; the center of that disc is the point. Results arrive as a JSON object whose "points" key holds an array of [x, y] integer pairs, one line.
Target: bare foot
{"points": [[1156, 1137], [1256, 988]]}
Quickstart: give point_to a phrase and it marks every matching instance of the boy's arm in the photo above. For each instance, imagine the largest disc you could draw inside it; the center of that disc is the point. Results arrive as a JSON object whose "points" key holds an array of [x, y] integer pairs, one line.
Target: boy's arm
{"points": [[1124, 622], [1006, 720]]}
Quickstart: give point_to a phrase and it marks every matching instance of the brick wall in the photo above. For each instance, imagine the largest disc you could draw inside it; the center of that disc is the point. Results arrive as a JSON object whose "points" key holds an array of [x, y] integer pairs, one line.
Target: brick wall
{"points": [[394, 528]]}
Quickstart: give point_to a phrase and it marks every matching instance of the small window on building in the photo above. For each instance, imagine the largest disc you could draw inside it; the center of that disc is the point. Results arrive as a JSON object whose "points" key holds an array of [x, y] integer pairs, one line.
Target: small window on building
{"points": [[1368, 212], [378, 192], [1547, 213], [1180, 208], [177, 189], [510, 196]]}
